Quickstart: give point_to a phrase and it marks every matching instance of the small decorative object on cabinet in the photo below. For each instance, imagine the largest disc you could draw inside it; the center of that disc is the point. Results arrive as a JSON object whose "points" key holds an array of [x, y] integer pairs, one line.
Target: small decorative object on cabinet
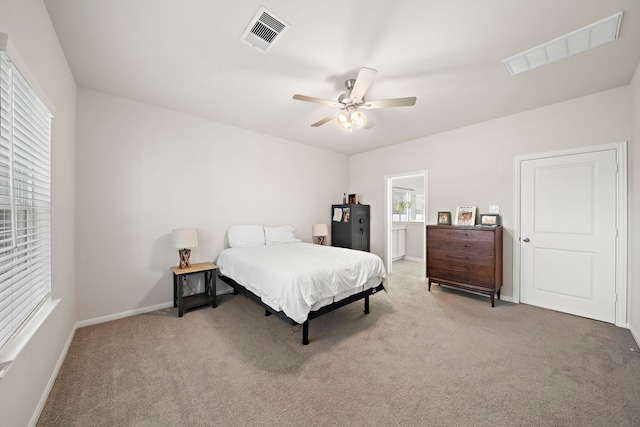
{"points": [[191, 301], [463, 257], [350, 226]]}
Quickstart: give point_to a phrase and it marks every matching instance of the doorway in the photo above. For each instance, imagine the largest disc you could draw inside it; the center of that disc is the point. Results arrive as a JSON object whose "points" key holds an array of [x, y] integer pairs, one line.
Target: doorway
{"points": [[405, 218], [570, 239]]}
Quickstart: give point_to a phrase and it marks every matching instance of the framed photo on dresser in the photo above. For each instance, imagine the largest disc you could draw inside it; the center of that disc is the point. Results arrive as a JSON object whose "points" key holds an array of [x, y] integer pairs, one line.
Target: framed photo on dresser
{"points": [[465, 215], [490, 220], [444, 218]]}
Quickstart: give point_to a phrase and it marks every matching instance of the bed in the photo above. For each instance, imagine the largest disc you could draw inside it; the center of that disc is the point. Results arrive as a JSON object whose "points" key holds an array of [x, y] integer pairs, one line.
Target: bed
{"points": [[297, 281]]}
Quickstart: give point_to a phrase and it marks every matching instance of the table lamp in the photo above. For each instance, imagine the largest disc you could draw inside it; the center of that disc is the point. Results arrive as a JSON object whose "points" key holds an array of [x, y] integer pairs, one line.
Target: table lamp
{"points": [[320, 231], [184, 239]]}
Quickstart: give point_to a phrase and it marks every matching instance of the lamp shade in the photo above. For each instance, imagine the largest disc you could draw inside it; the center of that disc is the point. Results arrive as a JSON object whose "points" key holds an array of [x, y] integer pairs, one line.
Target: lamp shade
{"points": [[184, 238], [320, 230]]}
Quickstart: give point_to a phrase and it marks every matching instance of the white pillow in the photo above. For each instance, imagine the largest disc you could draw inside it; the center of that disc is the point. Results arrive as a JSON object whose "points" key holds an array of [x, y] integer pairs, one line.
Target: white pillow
{"points": [[277, 235], [246, 236]]}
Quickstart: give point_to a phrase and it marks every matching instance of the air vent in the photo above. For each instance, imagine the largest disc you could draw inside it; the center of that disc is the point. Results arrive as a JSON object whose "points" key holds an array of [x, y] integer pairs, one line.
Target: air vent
{"points": [[264, 30], [589, 37]]}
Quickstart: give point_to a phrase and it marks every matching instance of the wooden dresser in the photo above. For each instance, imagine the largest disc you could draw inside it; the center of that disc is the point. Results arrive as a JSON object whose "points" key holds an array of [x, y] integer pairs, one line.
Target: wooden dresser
{"points": [[465, 257]]}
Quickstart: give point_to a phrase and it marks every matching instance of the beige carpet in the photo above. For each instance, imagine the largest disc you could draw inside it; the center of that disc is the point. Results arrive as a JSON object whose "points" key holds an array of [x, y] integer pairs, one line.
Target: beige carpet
{"points": [[443, 358], [407, 267]]}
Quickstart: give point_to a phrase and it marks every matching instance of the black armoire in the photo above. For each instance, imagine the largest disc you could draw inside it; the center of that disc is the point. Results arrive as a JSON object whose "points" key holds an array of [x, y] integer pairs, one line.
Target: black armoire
{"points": [[350, 226]]}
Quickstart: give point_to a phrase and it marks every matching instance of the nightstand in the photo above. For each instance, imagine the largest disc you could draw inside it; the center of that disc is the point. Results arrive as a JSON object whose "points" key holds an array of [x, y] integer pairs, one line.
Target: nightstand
{"points": [[191, 301]]}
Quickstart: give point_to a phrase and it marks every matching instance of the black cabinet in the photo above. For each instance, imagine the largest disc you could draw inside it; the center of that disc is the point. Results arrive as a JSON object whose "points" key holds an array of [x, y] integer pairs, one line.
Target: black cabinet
{"points": [[350, 226]]}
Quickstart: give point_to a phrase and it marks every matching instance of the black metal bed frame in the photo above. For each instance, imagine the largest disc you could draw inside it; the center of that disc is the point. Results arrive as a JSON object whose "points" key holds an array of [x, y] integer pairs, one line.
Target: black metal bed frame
{"points": [[239, 289]]}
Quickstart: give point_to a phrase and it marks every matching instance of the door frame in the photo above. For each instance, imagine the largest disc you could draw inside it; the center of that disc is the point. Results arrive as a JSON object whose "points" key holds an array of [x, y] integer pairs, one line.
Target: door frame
{"points": [[621, 221], [388, 212]]}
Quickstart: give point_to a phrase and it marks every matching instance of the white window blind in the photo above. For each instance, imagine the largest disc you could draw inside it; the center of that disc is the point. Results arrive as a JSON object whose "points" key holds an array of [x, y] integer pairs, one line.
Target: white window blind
{"points": [[25, 226]]}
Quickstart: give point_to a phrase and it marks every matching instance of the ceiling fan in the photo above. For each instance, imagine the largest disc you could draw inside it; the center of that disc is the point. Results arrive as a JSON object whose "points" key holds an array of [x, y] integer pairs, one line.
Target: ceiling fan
{"points": [[350, 103]]}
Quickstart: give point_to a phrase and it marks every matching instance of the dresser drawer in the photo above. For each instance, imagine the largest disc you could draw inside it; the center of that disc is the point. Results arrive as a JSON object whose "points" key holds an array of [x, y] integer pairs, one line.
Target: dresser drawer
{"points": [[464, 235], [467, 257], [486, 248], [470, 271], [447, 275]]}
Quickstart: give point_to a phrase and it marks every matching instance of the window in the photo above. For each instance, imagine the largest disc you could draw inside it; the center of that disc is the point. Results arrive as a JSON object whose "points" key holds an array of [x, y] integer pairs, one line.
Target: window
{"points": [[407, 206], [402, 204], [25, 228]]}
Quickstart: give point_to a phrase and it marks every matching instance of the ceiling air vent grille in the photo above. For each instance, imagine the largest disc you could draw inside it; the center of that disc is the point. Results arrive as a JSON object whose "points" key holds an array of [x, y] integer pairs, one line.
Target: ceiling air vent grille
{"points": [[264, 30], [589, 37]]}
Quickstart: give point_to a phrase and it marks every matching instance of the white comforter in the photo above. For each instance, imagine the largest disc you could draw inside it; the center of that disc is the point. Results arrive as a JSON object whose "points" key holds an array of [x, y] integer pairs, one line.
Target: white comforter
{"points": [[299, 277]]}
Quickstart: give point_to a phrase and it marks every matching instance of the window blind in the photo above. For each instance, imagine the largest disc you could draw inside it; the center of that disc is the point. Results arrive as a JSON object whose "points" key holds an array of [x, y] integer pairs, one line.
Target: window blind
{"points": [[25, 202]]}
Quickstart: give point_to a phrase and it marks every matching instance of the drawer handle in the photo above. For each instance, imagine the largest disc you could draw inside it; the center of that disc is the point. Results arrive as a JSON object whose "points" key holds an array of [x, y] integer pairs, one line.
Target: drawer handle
{"points": [[466, 279], [459, 245], [459, 267], [455, 234], [458, 256]]}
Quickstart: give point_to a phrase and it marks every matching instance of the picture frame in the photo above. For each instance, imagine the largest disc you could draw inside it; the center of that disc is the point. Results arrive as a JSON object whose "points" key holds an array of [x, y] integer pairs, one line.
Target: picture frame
{"points": [[353, 199], [444, 218], [346, 213], [465, 215], [490, 220], [337, 215]]}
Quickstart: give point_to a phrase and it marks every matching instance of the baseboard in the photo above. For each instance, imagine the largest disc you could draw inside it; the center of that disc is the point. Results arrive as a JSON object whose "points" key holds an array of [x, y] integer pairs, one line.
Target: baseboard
{"points": [[45, 394], [135, 312], [412, 258], [123, 314]]}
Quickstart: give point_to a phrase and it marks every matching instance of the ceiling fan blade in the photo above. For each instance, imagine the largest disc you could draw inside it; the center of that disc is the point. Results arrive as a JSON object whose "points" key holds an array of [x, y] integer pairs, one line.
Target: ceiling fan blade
{"points": [[317, 100], [326, 119], [386, 103], [369, 124], [363, 81]]}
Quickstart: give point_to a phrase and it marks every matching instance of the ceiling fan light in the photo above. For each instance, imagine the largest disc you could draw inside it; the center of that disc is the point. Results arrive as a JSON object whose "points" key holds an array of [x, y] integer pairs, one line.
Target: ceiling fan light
{"points": [[342, 118], [356, 115], [346, 125], [361, 121]]}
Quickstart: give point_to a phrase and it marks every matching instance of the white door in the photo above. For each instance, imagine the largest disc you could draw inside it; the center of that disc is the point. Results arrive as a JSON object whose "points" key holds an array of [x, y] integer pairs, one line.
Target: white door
{"points": [[568, 234]]}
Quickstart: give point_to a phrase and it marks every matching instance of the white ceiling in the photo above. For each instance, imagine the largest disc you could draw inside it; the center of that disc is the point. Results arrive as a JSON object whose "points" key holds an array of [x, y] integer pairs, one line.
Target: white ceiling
{"points": [[187, 56]]}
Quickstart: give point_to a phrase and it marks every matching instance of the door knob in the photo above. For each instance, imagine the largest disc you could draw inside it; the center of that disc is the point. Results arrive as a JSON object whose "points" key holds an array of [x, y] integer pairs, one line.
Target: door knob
{"points": [[526, 240]]}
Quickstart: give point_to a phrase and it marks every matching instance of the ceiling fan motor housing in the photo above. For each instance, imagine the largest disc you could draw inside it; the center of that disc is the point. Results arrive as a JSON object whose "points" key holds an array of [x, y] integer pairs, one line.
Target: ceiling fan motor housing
{"points": [[346, 100]]}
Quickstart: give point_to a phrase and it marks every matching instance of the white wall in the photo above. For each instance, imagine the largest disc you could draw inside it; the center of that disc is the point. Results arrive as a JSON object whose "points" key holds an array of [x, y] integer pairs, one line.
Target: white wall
{"points": [[32, 35], [143, 171], [634, 212], [475, 165]]}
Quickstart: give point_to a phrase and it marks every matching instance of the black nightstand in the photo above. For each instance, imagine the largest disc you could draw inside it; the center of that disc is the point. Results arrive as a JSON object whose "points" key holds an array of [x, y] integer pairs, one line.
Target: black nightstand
{"points": [[207, 297]]}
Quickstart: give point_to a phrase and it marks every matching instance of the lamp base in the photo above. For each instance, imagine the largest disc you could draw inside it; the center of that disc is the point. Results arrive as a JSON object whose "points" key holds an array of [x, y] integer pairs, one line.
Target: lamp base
{"points": [[321, 240], [185, 254]]}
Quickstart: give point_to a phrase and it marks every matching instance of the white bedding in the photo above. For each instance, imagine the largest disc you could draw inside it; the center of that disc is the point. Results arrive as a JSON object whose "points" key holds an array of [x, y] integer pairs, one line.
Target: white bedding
{"points": [[299, 277]]}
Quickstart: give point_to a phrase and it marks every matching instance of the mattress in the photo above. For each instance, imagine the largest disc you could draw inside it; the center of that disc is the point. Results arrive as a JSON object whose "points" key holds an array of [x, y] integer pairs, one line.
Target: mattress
{"points": [[297, 278]]}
